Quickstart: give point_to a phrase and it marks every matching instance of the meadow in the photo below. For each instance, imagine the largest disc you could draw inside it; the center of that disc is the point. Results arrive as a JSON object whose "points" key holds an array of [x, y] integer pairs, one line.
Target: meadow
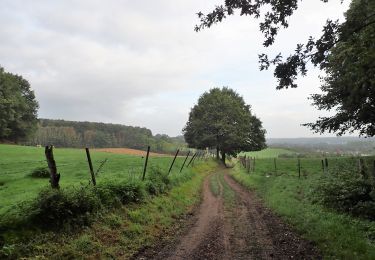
{"points": [[338, 234], [17, 163], [77, 220], [268, 153]]}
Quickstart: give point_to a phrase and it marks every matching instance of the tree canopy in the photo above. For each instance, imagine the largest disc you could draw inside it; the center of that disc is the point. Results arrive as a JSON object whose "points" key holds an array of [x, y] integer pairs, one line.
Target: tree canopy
{"points": [[18, 108], [221, 120], [62, 133], [345, 51], [349, 84]]}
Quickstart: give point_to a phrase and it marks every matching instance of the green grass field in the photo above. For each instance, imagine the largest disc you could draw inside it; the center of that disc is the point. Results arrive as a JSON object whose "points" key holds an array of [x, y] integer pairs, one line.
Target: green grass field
{"points": [[338, 235], [132, 225], [268, 153], [17, 162]]}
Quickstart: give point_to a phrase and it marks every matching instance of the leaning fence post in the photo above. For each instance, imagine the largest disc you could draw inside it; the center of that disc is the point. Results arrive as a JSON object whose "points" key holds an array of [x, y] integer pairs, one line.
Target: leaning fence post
{"points": [[145, 167], [90, 166], [192, 158], [174, 159], [323, 169], [54, 176], [184, 161]]}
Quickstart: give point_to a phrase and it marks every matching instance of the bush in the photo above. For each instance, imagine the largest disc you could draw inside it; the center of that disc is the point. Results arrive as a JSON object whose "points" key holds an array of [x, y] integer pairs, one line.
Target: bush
{"points": [[157, 182], [75, 206], [112, 193], [55, 208], [348, 192], [40, 172]]}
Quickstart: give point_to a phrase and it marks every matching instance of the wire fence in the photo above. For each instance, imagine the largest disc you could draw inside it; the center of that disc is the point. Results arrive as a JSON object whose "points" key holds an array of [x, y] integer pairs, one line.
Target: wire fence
{"points": [[74, 167], [306, 166]]}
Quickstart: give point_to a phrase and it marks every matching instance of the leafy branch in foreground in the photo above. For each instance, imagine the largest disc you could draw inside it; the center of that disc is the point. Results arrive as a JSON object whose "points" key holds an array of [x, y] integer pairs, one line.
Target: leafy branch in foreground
{"points": [[345, 51]]}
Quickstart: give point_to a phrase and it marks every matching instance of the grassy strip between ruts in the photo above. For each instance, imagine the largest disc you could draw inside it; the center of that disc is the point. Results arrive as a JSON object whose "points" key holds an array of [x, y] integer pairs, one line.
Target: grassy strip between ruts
{"points": [[123, 231], [337, 235]]}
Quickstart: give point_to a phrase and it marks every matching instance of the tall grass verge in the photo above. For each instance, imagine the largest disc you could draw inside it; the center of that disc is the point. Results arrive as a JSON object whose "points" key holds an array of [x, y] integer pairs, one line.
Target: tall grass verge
{"points": [[339, 236]]}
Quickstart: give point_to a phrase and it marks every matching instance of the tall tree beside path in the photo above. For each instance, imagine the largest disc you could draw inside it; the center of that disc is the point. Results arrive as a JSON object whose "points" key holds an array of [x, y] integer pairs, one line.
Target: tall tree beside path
{"points": [[221, 120], [18, 108], [345, 52]]}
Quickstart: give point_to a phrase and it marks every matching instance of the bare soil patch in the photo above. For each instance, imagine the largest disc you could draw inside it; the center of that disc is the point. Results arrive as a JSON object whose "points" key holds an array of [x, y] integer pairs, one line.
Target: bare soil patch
{"points": [[245, 229]]}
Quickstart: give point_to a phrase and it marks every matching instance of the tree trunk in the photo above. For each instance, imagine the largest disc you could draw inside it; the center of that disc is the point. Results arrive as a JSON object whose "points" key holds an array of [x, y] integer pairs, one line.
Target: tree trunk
{"points": [[217, 153], [223, 157]]}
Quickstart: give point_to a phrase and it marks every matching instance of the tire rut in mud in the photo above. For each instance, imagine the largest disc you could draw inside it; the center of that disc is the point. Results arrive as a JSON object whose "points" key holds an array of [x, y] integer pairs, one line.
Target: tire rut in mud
{"points": [[233, 227]]}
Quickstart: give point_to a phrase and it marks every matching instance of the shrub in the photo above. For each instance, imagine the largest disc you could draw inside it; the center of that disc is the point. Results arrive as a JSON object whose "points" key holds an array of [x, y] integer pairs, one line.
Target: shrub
{"points": [[157, 182], [110, 193], [75, 206], [346, 191], [40, 172], [55, 208]]}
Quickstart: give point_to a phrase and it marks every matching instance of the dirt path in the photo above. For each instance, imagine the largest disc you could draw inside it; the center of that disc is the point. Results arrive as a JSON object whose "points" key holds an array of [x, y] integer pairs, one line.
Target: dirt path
{"points": [[232, 223]]}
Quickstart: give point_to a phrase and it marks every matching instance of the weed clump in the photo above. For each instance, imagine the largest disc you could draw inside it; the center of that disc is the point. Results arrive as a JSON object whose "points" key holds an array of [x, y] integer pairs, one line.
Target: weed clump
{"points": [[55, 208], [76, 206], [157, 182], [40, 172], [346, 191]]}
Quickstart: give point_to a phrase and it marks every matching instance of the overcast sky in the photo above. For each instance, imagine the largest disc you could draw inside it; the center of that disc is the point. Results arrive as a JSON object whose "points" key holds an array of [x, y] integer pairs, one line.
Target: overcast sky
{"points": [[141, 63]]}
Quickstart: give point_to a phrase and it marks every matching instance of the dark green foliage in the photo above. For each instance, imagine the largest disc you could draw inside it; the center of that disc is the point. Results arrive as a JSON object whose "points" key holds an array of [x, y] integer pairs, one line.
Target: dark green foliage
{"points": [[40, 172], [221, 120], [346, 191], [55, 208], [120, 191], [72, 207], [63, 133], [18, 108], [349, 87], [157, 182], [345, 51]]}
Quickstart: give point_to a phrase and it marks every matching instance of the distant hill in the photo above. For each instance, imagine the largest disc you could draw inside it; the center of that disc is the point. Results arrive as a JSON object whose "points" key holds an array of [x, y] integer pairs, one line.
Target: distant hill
{"points": [[346, 145], [62, 133]]}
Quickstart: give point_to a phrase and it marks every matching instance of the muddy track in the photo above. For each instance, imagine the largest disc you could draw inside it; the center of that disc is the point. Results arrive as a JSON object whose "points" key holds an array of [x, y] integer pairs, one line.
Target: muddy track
{"points": [[233, 223]]}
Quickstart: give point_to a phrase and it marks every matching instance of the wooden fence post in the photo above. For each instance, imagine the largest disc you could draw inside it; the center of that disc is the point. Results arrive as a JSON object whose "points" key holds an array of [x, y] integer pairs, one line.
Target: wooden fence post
{"points": [[54, 176], [174, 159], [184, 161], [90, 166], [192, 158], [360, 161], [248, 165], [323, 169], [145, 167], [362, 168], [326, 163], [254, 164]]}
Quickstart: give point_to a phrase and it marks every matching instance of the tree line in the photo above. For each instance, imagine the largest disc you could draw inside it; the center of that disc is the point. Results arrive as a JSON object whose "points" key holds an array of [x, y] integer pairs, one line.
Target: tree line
{"points": [[62, 133]]}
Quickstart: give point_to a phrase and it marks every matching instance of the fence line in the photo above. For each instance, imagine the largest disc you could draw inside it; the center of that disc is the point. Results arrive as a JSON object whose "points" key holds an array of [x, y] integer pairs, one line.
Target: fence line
{"points": [[303, 166]]}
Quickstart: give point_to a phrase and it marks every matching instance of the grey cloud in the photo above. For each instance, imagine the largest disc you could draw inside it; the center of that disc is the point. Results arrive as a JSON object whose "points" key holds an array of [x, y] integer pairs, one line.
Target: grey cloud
{"points": [[140, 62]]}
